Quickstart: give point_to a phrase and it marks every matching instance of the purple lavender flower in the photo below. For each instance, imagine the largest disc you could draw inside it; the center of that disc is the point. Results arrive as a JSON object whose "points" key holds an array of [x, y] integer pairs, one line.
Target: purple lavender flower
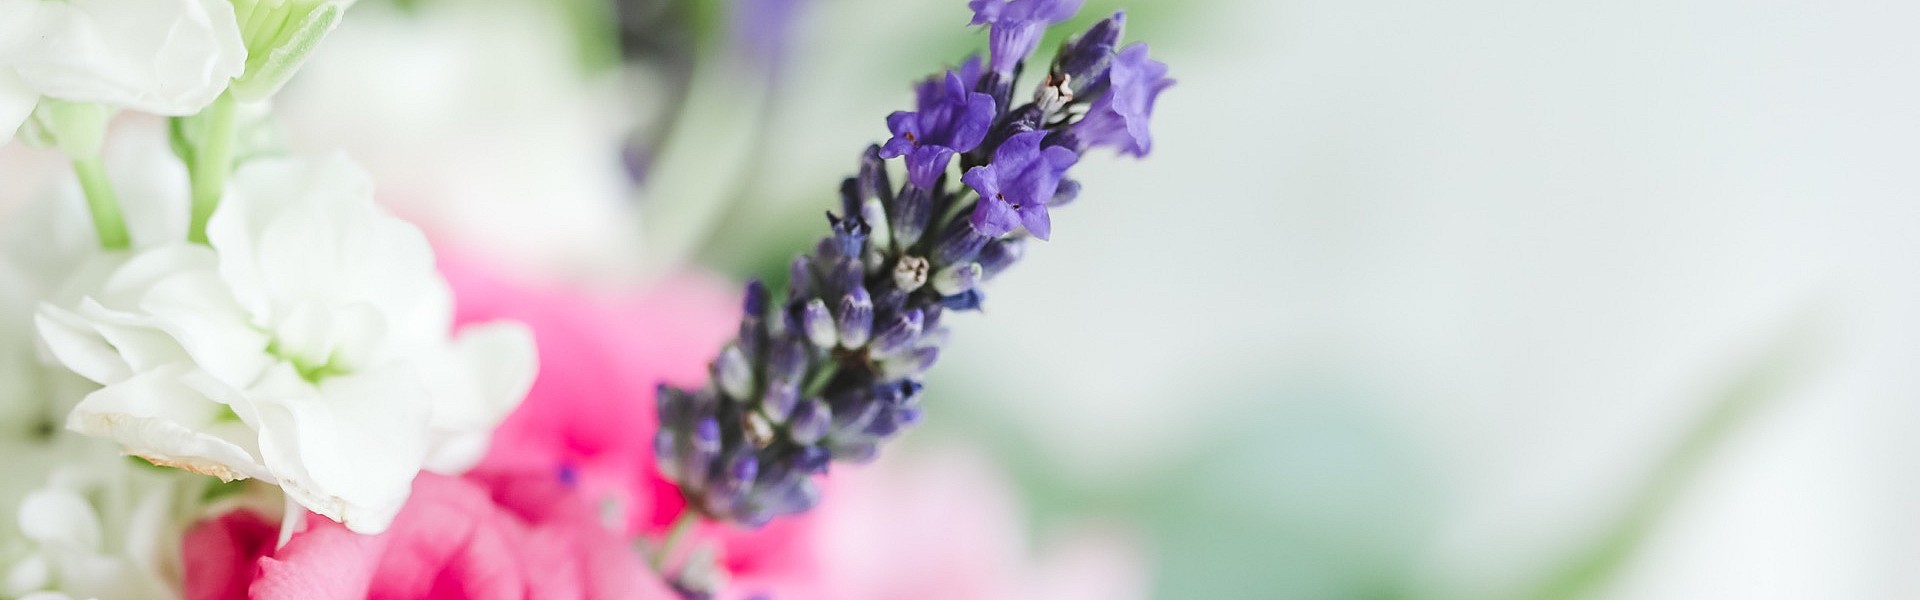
{"points": [[1016, 26], [1119, 117], [950, 120], [1015, 187], [833, 370]]}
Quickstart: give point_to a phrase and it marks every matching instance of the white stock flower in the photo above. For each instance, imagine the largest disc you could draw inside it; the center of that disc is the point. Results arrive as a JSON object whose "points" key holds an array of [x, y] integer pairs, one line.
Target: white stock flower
{"points": [[170, 57], [307, 347], [77, 520]]}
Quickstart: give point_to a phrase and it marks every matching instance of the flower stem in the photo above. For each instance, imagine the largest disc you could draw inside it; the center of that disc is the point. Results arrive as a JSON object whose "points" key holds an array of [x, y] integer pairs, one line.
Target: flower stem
{"points": [[105, 206], [212, 163], [675, 534]]}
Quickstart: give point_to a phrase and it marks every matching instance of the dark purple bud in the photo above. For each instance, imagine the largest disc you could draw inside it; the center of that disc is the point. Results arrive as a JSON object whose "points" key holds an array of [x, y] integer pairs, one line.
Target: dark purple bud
{"points": [[890, 302], [800, 495], [779, 401], [672, 405], [855, 415], [818, 323], [706, 436], [900, 335], [755, 303], [956, 279], [999, 255], [849, 235], [910, 214], [873, 176], [799, 279], [743, 468], [787, 363], [960, 243], [809, 422], [848, 274], [856, 318], [812, 459], [1068, 192], [850, 196], [970, 300], [1024, 119], [1084, 60]]}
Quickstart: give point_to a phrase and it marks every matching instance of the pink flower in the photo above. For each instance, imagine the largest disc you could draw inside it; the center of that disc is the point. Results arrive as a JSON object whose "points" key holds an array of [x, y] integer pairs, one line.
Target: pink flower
{"points": [[591, 411], [505, 537]]}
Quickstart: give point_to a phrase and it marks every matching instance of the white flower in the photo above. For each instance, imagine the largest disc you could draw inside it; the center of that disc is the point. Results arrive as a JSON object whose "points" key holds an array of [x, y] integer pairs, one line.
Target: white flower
{"points": [[307, 347], [170, 57], [79, 521]]}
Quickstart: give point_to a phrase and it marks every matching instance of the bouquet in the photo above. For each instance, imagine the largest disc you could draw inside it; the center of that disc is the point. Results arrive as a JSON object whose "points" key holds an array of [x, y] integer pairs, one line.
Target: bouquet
{"points": [[229, 372]]}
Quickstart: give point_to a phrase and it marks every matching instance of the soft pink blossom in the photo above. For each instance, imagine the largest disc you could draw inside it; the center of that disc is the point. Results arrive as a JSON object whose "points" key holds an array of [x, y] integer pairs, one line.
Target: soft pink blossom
{"points": [[489, 537]]}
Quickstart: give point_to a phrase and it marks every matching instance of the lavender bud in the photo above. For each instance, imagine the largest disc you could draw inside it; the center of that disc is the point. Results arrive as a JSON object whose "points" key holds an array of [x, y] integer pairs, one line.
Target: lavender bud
{"points": [[787, 363], [909, 366], [672, 405], [1085, 60], [755, 302], [910, 273], [812, 459], [959, 244], [910, 213], [734, 373], [900, 335], [956, 279], [849, 196], [799, 279], [779, 401], [818, 324], [968, 300], [809, 422], [666, 454], [1068, 191], [875, 214], [999, 255], [849, 234], [856, 318], [873, 176]]}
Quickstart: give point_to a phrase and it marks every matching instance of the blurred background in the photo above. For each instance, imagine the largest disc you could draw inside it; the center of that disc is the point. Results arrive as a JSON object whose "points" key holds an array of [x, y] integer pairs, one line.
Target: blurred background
{"points": [[1528, 300]]}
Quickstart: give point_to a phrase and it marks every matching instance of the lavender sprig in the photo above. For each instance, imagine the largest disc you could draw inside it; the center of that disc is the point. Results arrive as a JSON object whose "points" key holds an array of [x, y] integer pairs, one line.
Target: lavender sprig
{"points": [[833, 368]]}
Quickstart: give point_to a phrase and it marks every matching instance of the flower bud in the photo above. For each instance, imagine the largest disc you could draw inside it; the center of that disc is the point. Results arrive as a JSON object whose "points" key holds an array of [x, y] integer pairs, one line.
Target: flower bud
{"points": [[856, 318], [999, 255], [734, 373], [819, 324], [956, 279], [900, 335], [910, 273], [809, 422]]}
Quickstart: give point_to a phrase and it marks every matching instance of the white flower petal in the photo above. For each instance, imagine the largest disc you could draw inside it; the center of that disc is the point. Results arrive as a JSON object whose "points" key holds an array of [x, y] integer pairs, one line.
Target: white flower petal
{"points": [[72, 341], [16, 102], [359, 440], [156, 416], [482, 380], [170, 57], [60, 517]]}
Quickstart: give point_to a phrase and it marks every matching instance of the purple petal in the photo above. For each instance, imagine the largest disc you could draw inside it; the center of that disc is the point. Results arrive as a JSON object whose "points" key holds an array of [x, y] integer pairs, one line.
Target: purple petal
{"points": [[1034, 216], [925, 165]]}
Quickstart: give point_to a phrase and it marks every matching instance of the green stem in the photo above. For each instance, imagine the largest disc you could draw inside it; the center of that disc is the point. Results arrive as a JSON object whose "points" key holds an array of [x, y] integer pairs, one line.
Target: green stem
{"points": [[212, 163], [681, 526], [107, 220], [818, 383]]}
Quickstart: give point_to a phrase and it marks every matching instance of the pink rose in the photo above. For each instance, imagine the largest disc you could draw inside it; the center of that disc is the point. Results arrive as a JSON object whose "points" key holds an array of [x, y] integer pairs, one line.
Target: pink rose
{"points": [[503, 537]]}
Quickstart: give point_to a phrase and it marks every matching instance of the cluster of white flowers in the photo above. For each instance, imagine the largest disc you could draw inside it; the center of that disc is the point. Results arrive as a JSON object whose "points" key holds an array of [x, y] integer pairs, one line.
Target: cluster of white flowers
{"points": [[229, 315]]}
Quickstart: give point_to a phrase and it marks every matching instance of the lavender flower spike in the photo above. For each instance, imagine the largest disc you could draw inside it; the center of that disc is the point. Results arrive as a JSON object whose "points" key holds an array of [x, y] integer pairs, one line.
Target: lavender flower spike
{"points": [[832, 369], [1017, 26]]}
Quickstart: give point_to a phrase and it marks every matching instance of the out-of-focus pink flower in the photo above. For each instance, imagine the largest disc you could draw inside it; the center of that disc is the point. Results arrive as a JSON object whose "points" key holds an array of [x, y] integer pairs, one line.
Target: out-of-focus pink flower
{"points": [[591, 411], [940, 526], [500, 537], [947, 525]]}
